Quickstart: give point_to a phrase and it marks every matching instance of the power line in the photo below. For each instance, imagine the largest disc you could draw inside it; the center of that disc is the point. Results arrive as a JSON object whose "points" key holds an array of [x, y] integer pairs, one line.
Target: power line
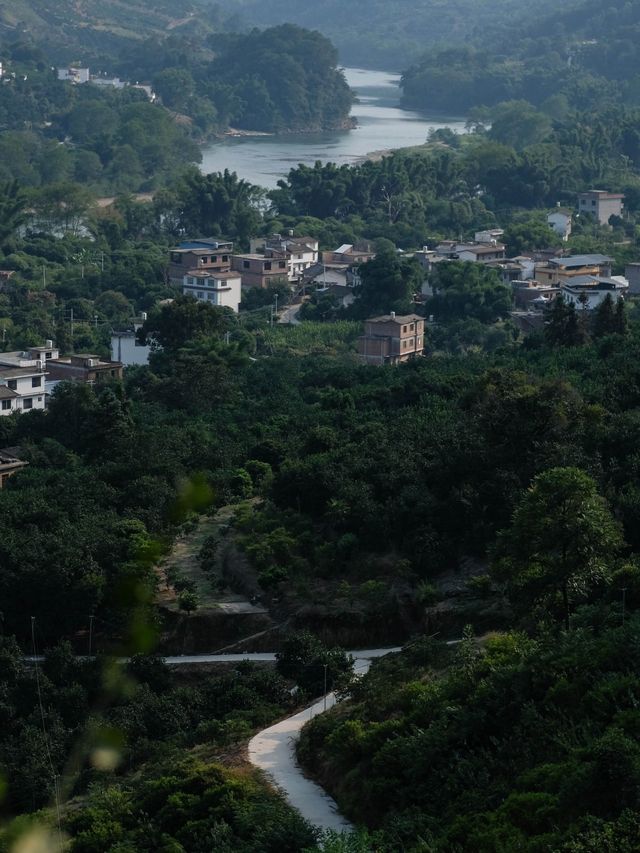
{"points": [[44, 724]]}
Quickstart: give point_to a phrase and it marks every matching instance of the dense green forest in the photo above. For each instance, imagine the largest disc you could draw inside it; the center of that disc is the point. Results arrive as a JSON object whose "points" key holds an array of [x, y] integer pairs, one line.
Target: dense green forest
{"points": [[76, 30], [581, 57], [487, 494], [115, 141], [387, 35]]}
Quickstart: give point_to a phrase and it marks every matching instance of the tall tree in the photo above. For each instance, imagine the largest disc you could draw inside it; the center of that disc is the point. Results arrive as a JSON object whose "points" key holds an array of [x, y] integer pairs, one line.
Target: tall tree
{"points": [[13, 211], [560, 545]]}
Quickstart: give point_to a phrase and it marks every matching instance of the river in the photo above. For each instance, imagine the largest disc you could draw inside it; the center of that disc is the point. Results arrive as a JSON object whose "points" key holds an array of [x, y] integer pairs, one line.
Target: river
{"points": [[382, 125]]}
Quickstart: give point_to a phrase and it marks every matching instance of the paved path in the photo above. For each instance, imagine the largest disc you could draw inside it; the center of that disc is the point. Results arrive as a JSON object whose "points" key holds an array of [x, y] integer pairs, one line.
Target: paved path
{"points": [[290, 315], [273, 750]]}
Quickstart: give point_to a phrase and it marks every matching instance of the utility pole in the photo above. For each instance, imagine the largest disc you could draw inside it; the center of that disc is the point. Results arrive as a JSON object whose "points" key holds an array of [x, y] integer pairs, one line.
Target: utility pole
{"points": [[90, 633], [72, 347], [325, 686], [102, 261], [44, 277]]}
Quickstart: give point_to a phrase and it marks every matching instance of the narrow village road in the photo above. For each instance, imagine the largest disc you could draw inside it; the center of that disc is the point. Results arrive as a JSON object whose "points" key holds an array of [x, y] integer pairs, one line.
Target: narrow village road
{"points": [[273, 750], [290, 315]]}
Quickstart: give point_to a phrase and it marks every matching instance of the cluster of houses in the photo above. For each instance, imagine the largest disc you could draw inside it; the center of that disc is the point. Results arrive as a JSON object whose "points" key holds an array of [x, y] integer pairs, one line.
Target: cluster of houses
{"points": [[28, 377], [210, 270], [78, 76]]}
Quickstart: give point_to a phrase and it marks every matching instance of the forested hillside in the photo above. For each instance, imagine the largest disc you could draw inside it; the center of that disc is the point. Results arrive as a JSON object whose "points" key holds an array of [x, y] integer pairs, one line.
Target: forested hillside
{"points": [[380, 34], [91, 26], [587, 54]]}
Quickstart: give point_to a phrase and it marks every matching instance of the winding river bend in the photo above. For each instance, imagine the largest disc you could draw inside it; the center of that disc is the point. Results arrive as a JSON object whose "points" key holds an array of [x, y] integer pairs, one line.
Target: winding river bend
{"points": [[382, 125]]}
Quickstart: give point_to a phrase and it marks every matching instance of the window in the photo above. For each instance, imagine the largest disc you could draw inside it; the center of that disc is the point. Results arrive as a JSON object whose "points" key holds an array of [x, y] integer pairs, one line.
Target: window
{"points": [[48, 355], [593, 202], [246, 265], [39, 399], [225, 259], [36, 381], [267, 265], [282, 265], [13, 384], [404, 329], [201, 295], [412, 327], [6, 405], [214, 259], [27, 403]]}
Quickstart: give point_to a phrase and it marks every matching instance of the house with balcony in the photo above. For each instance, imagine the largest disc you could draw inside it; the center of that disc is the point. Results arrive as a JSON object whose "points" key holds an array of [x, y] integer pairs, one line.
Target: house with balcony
{"points": [[391, 339], [207, 255], [22, 380], [222, 289]]}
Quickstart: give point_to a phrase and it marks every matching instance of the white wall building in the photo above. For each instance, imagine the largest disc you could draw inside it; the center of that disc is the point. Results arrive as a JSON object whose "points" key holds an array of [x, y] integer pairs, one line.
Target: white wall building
{"points": [[126, 348], [589, 292], [22, 379], [560, 220], [74, 75], [217, 288]]}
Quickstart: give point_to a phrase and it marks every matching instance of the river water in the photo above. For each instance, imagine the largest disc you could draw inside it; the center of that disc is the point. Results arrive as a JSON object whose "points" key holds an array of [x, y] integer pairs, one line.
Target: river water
{"points": [[382, 125]]}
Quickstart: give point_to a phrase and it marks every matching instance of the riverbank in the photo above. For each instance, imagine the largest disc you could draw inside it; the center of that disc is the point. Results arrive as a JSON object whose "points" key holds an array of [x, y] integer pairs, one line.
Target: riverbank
{"points": [[381, 127]]}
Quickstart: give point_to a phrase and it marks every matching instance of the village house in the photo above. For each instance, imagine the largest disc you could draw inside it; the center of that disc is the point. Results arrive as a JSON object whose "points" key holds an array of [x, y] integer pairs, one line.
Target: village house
{"points": [[74, 75], [22, 379], [391, 339], [87, 368], [258, 270], [10, 463], [350, 254], [560, 219], [300, 252], [589, 292], [222, 289], [492, 235], [558, 270], [208, 255], [601, 204], [479, 253], [125, 346], [531, 295], [632, 274]]}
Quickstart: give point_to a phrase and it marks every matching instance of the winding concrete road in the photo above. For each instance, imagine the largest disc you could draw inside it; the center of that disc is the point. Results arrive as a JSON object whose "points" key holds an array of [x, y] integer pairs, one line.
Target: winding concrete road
{"points": [[273, 750]]}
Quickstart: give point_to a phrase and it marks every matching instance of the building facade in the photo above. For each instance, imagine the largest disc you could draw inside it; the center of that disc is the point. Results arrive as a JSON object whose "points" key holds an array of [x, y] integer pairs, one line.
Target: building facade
{"points": [[601, 204], [222, 289], [391, 339]]}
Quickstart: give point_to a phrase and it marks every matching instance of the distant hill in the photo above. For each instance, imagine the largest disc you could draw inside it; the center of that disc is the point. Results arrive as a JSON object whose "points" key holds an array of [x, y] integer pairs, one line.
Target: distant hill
{"points": [[390, 33], [586, 52], [99, 26]]}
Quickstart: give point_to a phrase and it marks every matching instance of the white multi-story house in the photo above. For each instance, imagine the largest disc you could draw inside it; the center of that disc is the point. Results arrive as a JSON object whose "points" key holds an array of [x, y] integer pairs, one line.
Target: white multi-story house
{"points": [[22, 379], [217, 288], [125, 346]]}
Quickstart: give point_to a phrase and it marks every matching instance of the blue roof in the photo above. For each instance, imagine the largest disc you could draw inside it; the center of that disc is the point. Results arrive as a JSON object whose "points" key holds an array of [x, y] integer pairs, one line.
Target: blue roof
{"points": [[581, 260]]}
